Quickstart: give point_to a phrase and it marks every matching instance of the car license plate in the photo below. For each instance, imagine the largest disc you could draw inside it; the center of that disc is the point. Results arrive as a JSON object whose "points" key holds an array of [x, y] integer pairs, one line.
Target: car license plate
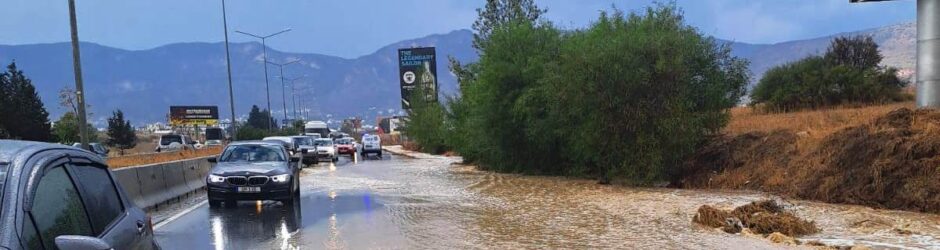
{"points": [[248, 189]]}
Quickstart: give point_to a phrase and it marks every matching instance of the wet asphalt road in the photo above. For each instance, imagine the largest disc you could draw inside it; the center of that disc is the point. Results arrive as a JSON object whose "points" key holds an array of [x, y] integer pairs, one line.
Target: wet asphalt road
{"points": [[399, 202], [429, 202], [319, 220]]}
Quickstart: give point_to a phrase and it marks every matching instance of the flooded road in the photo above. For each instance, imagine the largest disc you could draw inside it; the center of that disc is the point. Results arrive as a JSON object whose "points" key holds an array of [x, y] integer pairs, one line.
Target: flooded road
{"points": [[429, 202]]}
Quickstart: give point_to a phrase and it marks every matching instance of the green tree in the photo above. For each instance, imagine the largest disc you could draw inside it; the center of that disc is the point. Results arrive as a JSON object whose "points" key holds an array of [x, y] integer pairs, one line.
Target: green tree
{"points": [[259, 119], [640, 92], [497, 13], [121, 134], [22, 114], [847, 73], [247, 133], [66, 129], [425, 123], [859, 52], [627, 98]]}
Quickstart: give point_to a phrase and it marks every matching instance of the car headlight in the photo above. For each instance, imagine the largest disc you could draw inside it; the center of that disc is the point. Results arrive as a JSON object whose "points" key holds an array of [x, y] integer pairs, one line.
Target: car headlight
{"points": [[280, 178], [216, 179]]}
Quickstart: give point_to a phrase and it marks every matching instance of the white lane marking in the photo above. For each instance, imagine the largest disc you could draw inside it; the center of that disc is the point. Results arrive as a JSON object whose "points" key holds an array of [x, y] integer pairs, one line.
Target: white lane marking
{"points": [[178, 215]]}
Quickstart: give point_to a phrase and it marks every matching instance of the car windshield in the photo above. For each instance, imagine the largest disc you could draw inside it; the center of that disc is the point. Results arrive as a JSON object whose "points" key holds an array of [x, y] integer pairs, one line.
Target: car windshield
{"points": [[344, 141], [252, 153], [168, 139], [326, 142], [303, 141]]}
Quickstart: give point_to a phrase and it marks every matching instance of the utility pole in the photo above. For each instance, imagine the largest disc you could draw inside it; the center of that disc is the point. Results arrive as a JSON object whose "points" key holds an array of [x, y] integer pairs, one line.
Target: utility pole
{"points": [[228, 65], [267, 87], [79, 87]]}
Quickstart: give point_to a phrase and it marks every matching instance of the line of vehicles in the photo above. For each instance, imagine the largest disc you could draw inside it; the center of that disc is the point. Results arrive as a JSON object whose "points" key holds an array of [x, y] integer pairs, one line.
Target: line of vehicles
{"points": [[269, 169], [60, 197]]}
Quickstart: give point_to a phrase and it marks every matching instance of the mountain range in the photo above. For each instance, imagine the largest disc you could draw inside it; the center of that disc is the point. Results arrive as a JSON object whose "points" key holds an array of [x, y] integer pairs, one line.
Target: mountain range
{"points": [[144, 83]]}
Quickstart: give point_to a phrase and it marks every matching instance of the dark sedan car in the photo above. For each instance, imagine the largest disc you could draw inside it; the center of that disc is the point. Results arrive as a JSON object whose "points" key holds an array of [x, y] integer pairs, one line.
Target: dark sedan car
{"points": [[59, 197], [253, 171]]}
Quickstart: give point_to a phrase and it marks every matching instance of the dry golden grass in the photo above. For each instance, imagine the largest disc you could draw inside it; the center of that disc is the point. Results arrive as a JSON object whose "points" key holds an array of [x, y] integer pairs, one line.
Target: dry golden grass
{"points": [[884, 156], [144, 159], [815, 123]]}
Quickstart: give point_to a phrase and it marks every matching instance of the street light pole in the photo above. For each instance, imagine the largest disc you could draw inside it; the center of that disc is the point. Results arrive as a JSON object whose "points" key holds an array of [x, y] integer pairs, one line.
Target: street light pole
{"points": [[228, 65], [283, 90], [264, 53], [293, 94], [79, 87]]}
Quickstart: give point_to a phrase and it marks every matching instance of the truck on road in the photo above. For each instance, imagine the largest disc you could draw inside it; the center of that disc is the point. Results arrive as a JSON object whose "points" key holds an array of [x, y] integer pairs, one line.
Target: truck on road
{"points": [[317, 127]]}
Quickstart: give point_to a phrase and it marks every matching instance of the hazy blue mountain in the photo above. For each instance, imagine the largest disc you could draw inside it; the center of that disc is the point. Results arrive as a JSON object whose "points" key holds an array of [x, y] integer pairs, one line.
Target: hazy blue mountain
{"points": [[144, 83], [896, 42]]}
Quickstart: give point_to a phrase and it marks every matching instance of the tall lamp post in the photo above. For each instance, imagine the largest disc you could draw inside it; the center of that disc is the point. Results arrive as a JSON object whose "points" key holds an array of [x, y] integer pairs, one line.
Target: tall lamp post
{"points": [[293, 93], [283, 95], [79, 87], [264, 49], [228, 65]]}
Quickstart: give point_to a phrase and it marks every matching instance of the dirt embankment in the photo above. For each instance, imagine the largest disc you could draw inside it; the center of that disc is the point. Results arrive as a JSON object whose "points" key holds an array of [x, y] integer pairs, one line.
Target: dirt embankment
{"points": [[891, 162], [144, 159]]}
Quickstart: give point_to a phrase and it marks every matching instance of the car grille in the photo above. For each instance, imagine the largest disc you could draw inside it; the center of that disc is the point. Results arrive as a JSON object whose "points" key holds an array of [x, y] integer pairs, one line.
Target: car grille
{"points": [[247, 180], [237, 180], [257, 180]]}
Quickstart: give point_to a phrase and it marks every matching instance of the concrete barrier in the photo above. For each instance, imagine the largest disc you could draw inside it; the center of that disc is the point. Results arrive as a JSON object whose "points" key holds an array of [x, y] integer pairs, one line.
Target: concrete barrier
{"points": [[127, 179], [195, 173], [154, 184], [175, 179]]}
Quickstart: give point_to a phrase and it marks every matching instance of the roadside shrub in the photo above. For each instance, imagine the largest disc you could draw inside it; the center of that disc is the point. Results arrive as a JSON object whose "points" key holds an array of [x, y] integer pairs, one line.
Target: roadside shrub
{"points": [[247, 133], [639, 92], [847, 73], [625, 99], [425, 124]]}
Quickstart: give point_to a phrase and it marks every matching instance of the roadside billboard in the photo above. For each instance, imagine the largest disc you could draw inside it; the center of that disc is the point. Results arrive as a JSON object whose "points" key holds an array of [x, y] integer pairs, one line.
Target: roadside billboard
{"points": [[194, 115], [390, 125], [417, 66]]}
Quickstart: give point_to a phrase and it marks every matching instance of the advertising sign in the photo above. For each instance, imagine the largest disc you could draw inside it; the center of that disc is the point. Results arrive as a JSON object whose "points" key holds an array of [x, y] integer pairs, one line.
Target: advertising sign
{"points": [[194, 115], [417, 66]]}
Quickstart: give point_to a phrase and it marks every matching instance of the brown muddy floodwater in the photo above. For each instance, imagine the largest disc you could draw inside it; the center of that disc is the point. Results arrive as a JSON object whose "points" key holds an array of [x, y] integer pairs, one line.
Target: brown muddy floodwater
{"points": [[430, 202], [459, 206]]}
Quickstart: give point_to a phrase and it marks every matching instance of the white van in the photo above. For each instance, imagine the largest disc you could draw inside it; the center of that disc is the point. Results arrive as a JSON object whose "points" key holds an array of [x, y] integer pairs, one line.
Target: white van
{"points": [[371, 144]]}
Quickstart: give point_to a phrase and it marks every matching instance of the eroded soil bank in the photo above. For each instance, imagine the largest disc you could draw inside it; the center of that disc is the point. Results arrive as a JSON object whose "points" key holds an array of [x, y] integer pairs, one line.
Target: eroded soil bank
{"points": [[891, 162]]}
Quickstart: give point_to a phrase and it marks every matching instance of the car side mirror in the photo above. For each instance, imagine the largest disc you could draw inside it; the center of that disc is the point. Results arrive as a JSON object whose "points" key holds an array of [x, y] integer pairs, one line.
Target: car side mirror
{"points": [[294, 159], [213, 160], [80, 242]]}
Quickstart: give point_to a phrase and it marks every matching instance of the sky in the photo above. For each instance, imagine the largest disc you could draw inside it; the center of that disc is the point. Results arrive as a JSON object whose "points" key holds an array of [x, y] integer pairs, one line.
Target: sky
{"points": [[353, 28]]}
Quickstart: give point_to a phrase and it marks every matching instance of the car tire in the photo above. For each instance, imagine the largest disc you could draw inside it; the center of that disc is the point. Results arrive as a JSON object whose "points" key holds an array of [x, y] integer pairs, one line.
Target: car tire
{"points": [[215, 203], [335, 159]]}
